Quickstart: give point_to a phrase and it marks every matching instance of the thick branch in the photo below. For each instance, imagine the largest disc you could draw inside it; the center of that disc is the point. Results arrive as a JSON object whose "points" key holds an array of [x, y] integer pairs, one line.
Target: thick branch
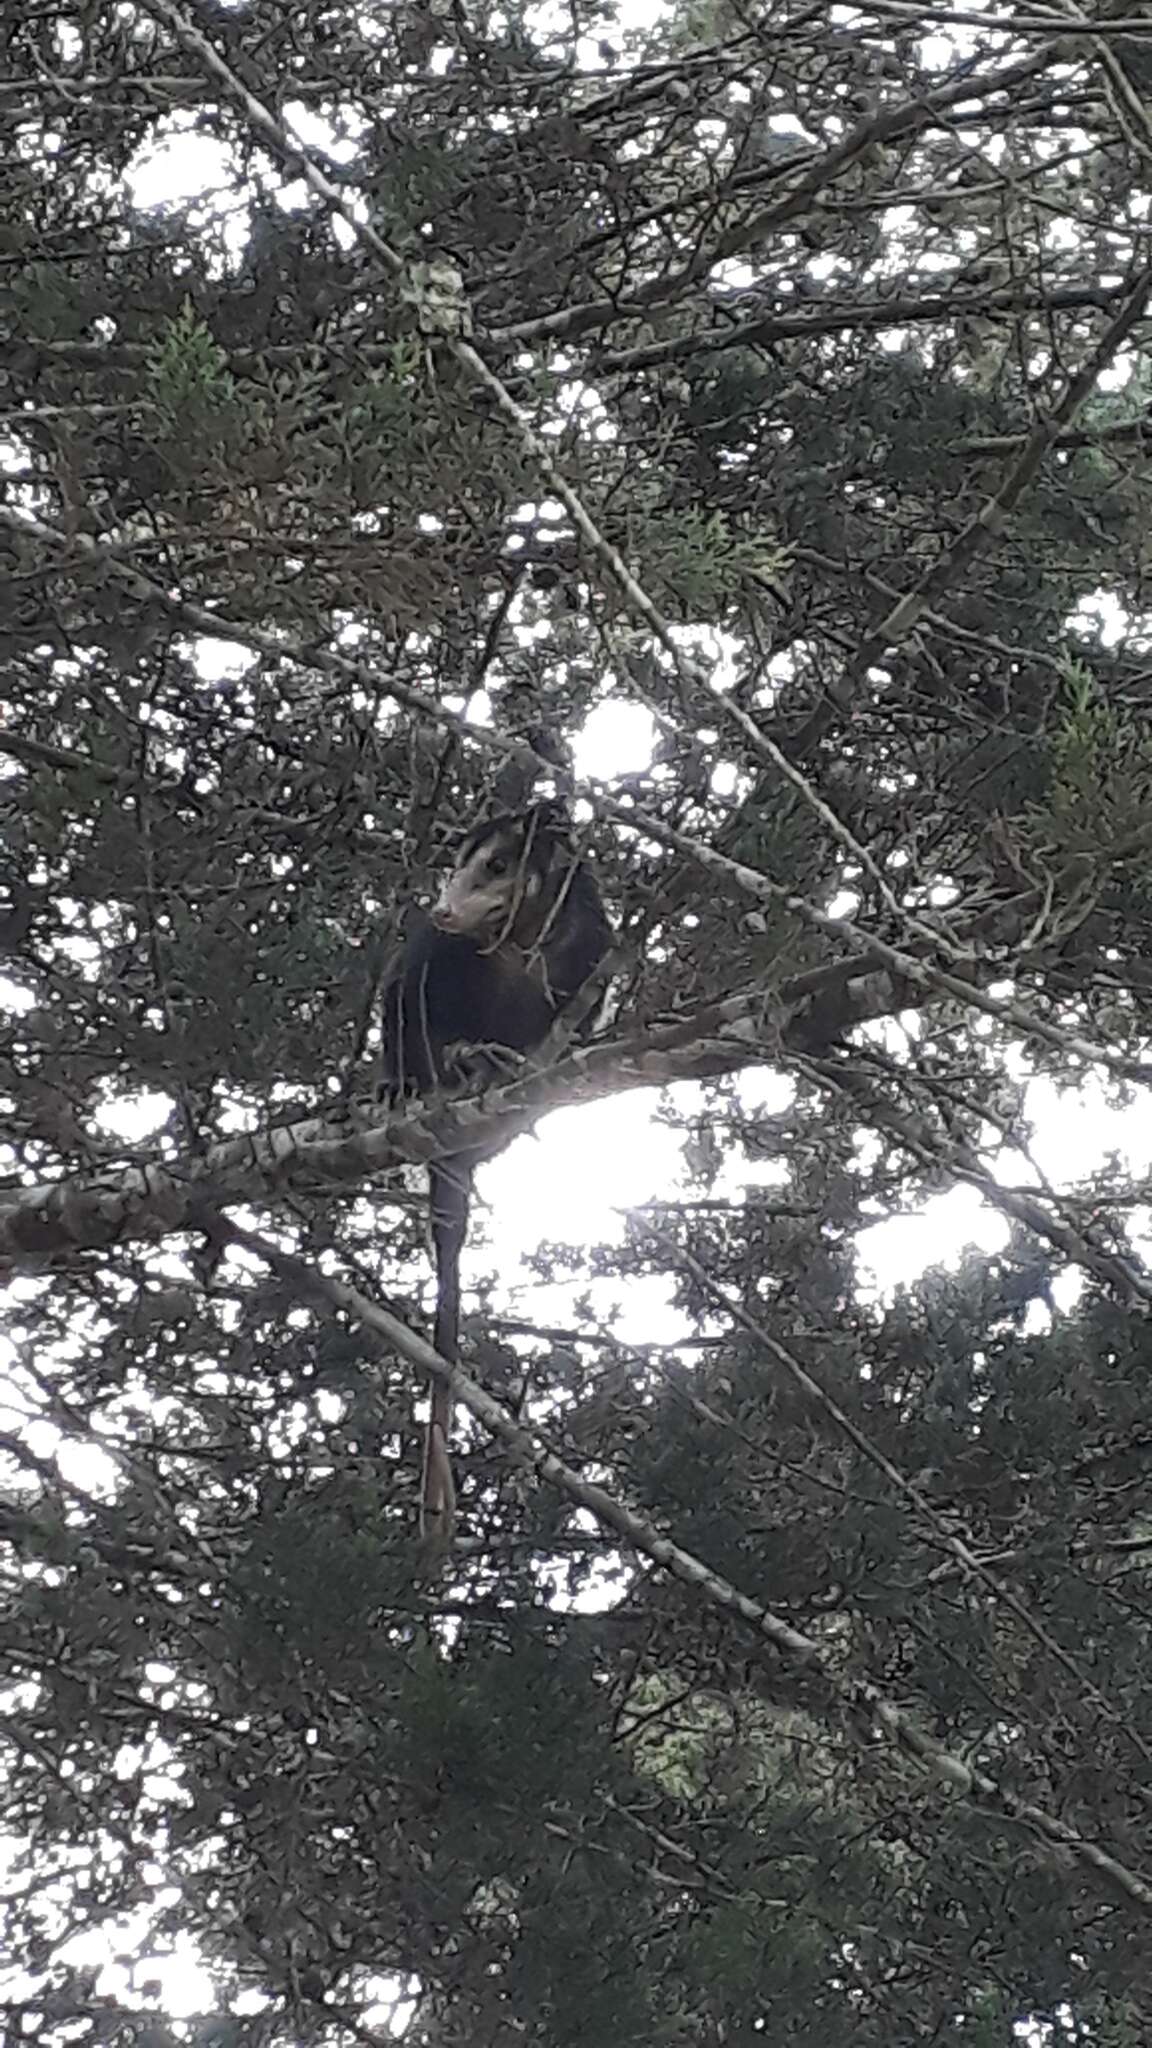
{"points": [[1009, 302], [57, 1217]]}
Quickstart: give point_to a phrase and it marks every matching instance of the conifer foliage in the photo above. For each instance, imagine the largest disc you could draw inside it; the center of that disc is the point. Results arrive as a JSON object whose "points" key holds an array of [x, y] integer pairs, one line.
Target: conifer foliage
{"points": [[402, 408]]}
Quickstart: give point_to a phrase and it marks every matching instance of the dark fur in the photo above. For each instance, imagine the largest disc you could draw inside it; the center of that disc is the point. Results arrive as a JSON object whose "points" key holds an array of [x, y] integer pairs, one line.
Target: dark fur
{"points": [[502, 989]]}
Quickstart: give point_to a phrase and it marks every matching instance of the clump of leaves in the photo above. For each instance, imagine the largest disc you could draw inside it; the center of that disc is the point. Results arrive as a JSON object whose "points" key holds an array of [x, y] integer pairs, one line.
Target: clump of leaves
{"points": [[1100, 787], [696, 563], [191, 384]]}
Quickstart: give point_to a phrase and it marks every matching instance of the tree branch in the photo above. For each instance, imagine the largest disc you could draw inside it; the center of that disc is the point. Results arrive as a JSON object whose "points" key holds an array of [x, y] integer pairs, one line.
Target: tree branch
{"points": [[840, 1696]]}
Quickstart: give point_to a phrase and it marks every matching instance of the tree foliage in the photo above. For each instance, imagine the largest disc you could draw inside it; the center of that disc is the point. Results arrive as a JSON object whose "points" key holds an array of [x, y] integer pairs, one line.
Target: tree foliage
{"points": [[768, 382]]}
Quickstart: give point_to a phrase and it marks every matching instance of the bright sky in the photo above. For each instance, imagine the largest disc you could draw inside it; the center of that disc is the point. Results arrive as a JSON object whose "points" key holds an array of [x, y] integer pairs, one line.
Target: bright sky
{"points": [[575, 1180]]}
